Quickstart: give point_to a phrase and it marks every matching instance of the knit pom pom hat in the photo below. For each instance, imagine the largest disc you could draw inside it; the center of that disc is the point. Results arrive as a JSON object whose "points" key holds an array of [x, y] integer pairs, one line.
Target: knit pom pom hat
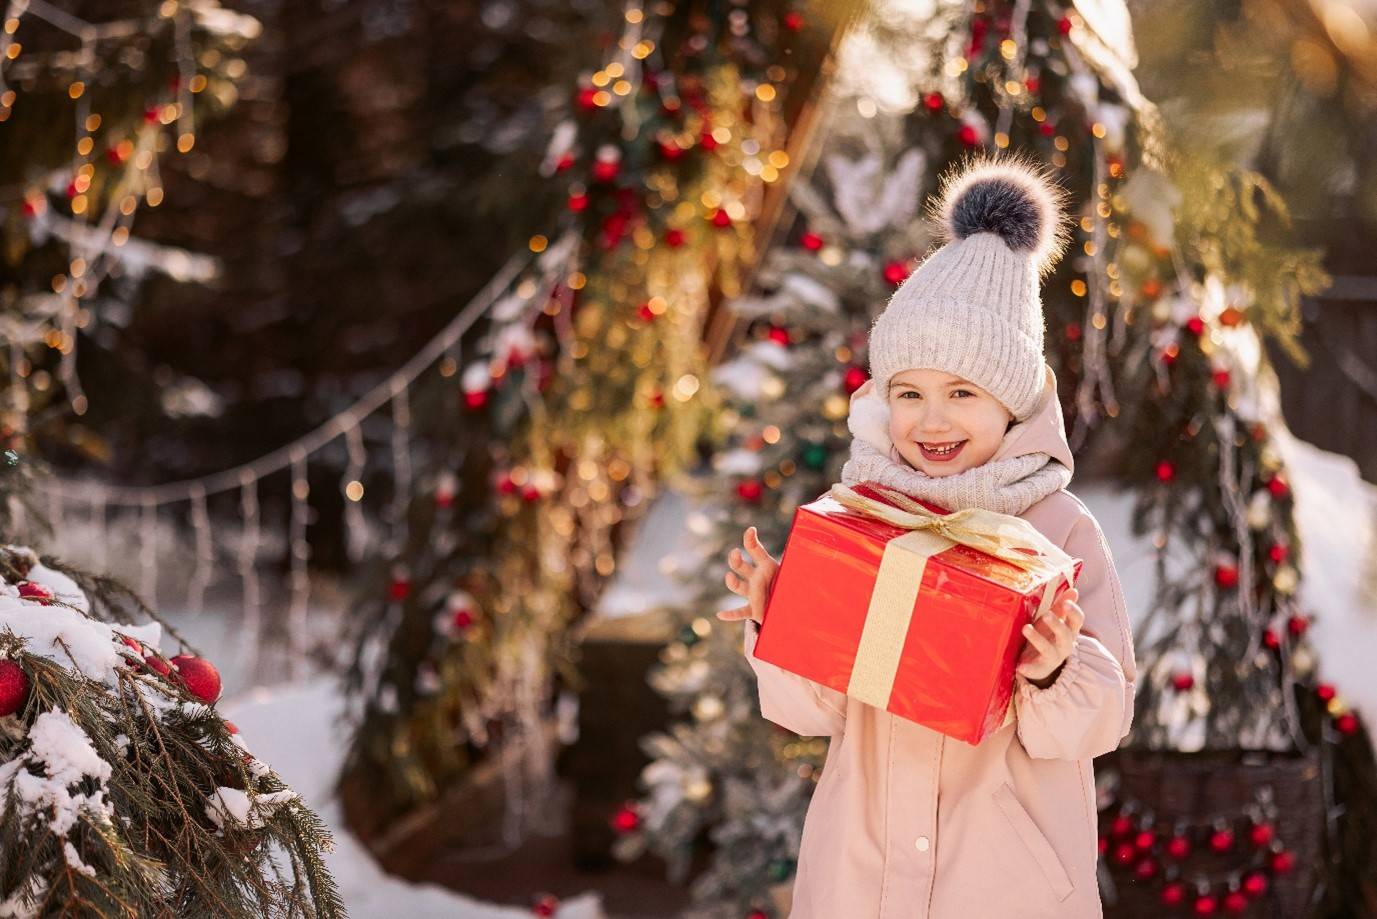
{"points": [[972, 308]]}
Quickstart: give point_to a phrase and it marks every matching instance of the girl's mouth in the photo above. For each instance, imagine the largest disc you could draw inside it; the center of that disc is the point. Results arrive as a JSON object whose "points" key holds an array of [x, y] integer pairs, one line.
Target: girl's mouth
{"points": [[941, 453]]}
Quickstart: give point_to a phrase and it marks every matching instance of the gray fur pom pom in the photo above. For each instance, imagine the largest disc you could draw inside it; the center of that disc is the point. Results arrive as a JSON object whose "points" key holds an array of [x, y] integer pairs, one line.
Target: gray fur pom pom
{"points": [[1012, 196]]}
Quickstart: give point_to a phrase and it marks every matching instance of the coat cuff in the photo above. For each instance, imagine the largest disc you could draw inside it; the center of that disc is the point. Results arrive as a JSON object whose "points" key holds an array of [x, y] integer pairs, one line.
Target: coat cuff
{"points": [[1060, 686]]}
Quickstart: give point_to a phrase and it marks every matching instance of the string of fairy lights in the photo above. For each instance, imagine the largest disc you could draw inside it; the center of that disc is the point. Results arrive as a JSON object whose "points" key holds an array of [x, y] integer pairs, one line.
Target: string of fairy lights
{"points": [[96, 235]]}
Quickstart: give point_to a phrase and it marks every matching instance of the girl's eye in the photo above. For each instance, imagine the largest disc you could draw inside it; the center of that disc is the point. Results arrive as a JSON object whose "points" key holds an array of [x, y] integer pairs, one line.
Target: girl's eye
{"points": [[957, 392]]}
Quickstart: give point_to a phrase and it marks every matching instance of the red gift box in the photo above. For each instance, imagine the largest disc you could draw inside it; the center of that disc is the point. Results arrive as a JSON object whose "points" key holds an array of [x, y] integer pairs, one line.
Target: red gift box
{"points": [[894, 602]]}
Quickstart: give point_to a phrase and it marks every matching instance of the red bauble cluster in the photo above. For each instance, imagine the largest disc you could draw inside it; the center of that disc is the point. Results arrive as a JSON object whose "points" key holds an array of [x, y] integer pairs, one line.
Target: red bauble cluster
{"points": [[1135, 845]]}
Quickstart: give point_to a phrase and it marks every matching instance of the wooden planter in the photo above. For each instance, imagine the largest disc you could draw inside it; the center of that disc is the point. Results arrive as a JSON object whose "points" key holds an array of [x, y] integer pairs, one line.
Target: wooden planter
{"points": [[1226, 784]]}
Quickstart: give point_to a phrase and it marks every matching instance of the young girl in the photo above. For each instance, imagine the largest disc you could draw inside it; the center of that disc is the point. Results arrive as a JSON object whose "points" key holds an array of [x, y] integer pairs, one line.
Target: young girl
{"points": [[962, 411]]}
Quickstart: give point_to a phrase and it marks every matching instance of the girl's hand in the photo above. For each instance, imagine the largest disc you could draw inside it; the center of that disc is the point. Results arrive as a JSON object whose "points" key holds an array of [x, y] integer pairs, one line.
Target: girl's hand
{"points": [[1050, 639], [752, 581]]}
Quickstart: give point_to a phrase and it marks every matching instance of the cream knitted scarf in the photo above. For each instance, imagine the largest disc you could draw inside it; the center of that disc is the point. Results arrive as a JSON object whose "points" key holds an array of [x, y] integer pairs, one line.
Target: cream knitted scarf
{"points": [[1007, 486]]}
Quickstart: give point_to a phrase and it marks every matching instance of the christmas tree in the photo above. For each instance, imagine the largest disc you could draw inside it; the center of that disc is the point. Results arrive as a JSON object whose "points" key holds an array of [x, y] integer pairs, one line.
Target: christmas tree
{"points": [[551, 422], [122, 790], [1155, 322]]}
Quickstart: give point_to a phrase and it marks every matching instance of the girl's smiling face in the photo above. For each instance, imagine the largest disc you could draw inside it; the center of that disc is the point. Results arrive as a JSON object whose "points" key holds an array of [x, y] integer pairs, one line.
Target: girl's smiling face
{"points": [[942, 424]]}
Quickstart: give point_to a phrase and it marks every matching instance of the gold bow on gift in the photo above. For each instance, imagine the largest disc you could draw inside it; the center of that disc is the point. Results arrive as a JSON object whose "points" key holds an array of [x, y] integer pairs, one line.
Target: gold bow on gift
{"points": [[1011, 539]]}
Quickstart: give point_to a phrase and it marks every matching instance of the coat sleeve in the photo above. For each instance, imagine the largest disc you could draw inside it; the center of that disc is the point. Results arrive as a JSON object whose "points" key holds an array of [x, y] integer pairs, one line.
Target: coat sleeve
{"points": [[1088, 709], [792, 701]]}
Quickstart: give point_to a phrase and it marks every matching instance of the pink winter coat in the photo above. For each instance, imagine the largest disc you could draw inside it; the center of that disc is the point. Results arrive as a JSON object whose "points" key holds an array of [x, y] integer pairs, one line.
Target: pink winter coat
{"points": [[906, 823]]}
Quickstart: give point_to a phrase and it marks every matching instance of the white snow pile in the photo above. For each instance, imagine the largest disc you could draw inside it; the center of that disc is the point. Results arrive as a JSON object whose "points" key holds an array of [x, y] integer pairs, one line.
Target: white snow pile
{"points": [[41, 780], [242, 810]]}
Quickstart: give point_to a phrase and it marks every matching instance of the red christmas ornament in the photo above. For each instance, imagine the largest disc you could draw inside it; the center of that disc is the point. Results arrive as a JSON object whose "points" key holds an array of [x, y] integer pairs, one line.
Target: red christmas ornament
{"points": [[1073, 331], [1278, 552], [1064, 25], [1270, 639], [1226, 576], [1221, 379], [1297, 625], [707, 141], [578, 202], [462, 619], [1047, 129], [1166, 471], [14, 687], [1122, 826], [476, 398], [150, 114], [605, 170], [1174, 894], [159, 666], [231, 727], [669, 150], [1196, 326], [1032, 84], [32, 206], [1325, 692], [1278, 487], [1222, 840], [399, 590], [853, 379], [811, 241], [1178, 847], [547, 904], [72, 190], [585, 97], [721, 219], [1145, 839], [934, 102], [896, 272], [674, 238], [1124, 853], [1235, 901], [1261, 834], [645, 312], [564, 163], [1282, 861], [530, 494], [1103, 844], [1145, 869], [114, 155], [1206, 905], [30, 590], [968, 135], [1255, 884], [657, 399], [779, 335], [626, 819], [1347, 724], [793, 21], [199, 676], [750, 490], [1182, 682]]}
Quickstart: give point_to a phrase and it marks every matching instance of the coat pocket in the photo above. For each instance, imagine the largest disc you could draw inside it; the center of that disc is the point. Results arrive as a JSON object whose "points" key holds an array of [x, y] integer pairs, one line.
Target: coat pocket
{"points": [[1038, 846]]}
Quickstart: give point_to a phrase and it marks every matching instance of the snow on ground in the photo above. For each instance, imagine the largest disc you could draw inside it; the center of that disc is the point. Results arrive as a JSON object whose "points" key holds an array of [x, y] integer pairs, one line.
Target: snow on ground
{"points": [[296, 730]]}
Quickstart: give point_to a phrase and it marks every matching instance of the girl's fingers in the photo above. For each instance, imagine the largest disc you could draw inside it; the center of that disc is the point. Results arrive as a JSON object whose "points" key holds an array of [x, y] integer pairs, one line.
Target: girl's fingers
{"points": [[753, 546], [738, 563], [736, 585], [1035, 638], [733, 615]]}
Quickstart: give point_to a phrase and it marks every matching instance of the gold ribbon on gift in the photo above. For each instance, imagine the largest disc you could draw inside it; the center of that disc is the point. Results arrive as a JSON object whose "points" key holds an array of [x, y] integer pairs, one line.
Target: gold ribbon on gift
{"points": [[1011, 539]]}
